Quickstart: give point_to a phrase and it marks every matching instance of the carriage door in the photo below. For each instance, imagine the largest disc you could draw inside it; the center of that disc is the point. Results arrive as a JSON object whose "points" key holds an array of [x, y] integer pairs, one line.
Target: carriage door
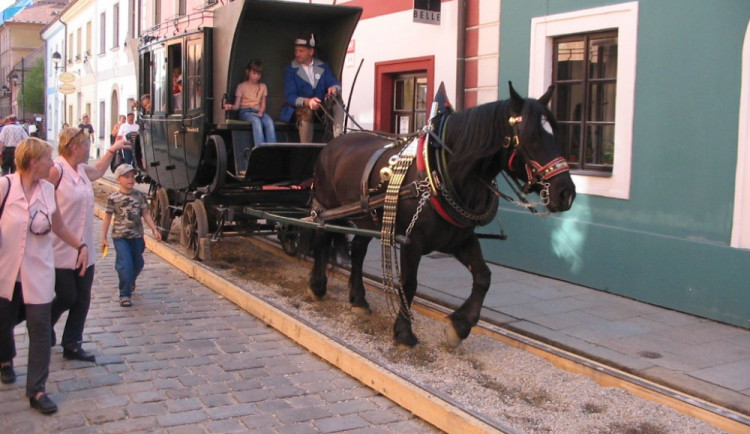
{"points": [[175, 115], [409, 105], [197, 93]]}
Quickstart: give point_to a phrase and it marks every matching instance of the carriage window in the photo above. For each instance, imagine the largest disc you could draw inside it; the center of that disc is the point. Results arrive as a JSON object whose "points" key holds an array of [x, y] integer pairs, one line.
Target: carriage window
{"points": [[193, 85], [409, 102], [585, 75], [175, 77], [159, 81]]}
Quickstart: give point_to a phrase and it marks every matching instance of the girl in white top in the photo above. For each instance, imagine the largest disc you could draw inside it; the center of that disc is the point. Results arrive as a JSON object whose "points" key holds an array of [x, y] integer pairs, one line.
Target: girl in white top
{"points": [[27, 264], [75, 198]]}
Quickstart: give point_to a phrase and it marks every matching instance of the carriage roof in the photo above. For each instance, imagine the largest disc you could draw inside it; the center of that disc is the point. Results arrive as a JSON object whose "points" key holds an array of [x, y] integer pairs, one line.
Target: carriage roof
{"points": [[266, 30]]}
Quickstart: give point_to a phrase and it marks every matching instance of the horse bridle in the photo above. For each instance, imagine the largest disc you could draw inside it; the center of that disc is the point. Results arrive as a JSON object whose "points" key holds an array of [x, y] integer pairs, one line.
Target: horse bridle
{"points": [[536, 174]]}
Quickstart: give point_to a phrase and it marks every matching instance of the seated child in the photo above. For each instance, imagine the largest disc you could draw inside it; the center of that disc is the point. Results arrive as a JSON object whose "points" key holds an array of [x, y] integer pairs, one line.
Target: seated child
{"points": [[250, 99]]}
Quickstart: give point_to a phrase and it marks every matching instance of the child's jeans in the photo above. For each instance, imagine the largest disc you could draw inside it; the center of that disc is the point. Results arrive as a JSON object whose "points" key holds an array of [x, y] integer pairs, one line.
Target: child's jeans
{"points": [[129, 262], [263, 128]]}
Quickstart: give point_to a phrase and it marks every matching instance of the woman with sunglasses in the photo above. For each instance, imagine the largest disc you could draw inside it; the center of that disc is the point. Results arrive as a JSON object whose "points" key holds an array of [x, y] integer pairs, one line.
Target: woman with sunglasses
{"points": [[75, 198], [27, 267]]}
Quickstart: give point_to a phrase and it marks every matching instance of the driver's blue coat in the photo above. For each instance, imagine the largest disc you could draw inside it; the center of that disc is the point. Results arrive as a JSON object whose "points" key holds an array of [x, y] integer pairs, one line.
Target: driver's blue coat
{"points": [[297, 86]]}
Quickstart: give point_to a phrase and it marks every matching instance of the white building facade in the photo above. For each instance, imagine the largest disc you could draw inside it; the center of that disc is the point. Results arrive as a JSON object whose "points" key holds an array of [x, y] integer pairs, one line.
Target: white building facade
{"points": [[96, 64]]}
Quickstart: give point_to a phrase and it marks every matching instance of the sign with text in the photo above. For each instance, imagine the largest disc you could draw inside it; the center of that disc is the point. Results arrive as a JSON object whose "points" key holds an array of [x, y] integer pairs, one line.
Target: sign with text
{"points": [[427, 11]]}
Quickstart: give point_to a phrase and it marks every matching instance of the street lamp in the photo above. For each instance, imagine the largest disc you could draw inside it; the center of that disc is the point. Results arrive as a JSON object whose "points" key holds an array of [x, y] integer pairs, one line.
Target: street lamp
{"points": [[56, 58]]}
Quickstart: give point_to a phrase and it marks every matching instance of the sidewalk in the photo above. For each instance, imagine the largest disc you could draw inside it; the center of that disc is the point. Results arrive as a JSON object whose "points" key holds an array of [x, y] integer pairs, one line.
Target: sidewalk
{"points": [[705, 358], [184, 359]]}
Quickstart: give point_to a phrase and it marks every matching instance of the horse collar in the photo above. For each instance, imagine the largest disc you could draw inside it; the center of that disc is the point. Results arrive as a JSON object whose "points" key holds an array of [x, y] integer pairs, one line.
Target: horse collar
{"points": [[432, 164]]}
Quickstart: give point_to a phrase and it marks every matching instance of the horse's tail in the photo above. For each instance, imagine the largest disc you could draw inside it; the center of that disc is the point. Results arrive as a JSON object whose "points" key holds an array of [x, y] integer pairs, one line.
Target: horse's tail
{"points": [[341, 252], [312, 240]]}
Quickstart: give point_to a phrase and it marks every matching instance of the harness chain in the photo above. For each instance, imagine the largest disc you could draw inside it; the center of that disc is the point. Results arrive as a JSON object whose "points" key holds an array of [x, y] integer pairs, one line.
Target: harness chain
{"points": [[391, 271]]}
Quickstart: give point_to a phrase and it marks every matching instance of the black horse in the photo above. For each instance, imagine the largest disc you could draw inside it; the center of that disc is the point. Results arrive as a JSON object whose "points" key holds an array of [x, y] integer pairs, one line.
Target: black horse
{"points": [[458, 168]]}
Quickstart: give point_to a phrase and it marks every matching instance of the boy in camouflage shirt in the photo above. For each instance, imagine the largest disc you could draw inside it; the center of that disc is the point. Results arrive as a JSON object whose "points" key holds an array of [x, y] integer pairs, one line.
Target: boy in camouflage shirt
{"points": [[127, 206]]}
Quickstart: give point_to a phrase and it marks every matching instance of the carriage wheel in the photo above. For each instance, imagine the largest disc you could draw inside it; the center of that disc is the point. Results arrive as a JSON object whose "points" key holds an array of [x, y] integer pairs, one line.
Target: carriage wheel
{"points": [[217, 152], [194, 228], [160, 212], [289, 240]]}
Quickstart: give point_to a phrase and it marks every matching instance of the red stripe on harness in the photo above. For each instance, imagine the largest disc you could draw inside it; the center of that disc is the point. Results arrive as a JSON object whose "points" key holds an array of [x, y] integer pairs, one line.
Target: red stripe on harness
{"points": [[434, 201], [420, 154]]}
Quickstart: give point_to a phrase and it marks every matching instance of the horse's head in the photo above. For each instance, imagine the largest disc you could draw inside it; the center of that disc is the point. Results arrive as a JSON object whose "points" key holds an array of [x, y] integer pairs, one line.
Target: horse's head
{"points": [[535, 154]]}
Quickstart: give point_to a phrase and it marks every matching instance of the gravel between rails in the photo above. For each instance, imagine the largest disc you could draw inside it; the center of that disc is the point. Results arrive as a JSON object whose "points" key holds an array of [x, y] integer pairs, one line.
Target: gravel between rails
{"points": [[500, 382]]}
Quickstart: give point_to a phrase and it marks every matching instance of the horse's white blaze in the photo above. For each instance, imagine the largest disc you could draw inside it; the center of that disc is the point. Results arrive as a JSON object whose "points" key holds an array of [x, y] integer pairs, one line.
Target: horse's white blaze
{"points": [[545, 125]]}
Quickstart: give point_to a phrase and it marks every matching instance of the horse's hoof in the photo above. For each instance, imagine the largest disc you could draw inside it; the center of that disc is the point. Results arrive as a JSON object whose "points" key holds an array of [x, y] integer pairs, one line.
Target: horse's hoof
{"points": [[361, 311], [406, 342], [315, 296], [452, 337]]}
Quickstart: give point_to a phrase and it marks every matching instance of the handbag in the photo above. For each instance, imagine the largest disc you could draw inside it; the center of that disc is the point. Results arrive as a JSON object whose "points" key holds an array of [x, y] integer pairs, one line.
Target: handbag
{"points": [[5, 196], [22, 307]]}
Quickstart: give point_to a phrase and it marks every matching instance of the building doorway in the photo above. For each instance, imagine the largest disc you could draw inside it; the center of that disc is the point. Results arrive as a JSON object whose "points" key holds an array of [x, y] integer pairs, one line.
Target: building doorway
{"points": [[403, 93], [409, 102], [114, 115]]}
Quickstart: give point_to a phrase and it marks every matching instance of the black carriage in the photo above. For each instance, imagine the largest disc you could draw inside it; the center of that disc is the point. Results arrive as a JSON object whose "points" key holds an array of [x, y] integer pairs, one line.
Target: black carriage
{"points": [[197, 159]]}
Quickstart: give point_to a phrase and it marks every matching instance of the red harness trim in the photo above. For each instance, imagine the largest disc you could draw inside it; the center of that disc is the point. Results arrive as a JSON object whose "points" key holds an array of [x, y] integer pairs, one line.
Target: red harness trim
{"points": [[434, 201]]}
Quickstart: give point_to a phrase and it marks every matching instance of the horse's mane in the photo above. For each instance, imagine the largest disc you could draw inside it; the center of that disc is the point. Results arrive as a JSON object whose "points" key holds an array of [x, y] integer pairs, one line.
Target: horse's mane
{"points": [[476, 136]]}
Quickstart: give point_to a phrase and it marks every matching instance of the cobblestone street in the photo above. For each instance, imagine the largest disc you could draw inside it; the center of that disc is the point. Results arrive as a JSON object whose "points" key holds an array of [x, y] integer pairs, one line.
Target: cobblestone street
{"points": [[184, 359]]}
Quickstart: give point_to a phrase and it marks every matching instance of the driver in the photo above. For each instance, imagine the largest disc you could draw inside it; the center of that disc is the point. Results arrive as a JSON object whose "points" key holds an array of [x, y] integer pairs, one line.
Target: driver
{"points": [[307, 82]]}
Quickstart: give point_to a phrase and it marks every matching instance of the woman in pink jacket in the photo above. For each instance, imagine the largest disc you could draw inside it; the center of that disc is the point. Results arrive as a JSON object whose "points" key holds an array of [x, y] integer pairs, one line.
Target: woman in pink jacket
{"points": [[27, 268]]}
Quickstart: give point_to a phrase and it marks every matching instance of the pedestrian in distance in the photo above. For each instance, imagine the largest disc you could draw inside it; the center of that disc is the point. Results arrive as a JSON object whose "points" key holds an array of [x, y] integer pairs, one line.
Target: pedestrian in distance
{"points": [[125, 210], [27, 268], [10, 136], [127, 131], [115, 127], [72, 179], [86, 124]]}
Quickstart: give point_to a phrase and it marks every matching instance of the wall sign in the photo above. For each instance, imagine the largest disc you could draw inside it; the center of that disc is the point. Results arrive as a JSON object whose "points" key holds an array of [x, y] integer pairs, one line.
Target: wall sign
{"points": [[427, 11]]}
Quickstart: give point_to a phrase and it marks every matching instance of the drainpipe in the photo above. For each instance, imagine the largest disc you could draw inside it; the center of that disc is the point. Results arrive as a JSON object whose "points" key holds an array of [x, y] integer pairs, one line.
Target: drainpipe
{"points": [[65, 65], [460, 54]]}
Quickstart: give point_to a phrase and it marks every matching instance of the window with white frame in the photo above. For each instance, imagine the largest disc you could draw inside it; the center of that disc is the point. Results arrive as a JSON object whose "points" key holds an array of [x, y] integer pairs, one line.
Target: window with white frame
{"points": [[116, 25], [584, 73], [103, 33], [604, 167], [78, 43], [89, 35]]}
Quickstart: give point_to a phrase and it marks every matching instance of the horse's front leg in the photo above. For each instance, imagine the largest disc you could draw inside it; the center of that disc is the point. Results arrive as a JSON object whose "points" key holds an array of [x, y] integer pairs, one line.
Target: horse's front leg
{"points": [[410, 258], [356, 286], [467, 316], [321, 251]]}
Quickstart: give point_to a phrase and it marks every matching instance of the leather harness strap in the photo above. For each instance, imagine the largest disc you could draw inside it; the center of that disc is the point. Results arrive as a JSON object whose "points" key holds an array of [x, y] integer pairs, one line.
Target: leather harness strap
{"points": [[408, 191], [365, 198]]}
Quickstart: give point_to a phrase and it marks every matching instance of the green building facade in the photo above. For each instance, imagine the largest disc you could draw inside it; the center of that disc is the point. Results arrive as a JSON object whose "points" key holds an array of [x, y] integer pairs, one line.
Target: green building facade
{"points": [[663, 227]]}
